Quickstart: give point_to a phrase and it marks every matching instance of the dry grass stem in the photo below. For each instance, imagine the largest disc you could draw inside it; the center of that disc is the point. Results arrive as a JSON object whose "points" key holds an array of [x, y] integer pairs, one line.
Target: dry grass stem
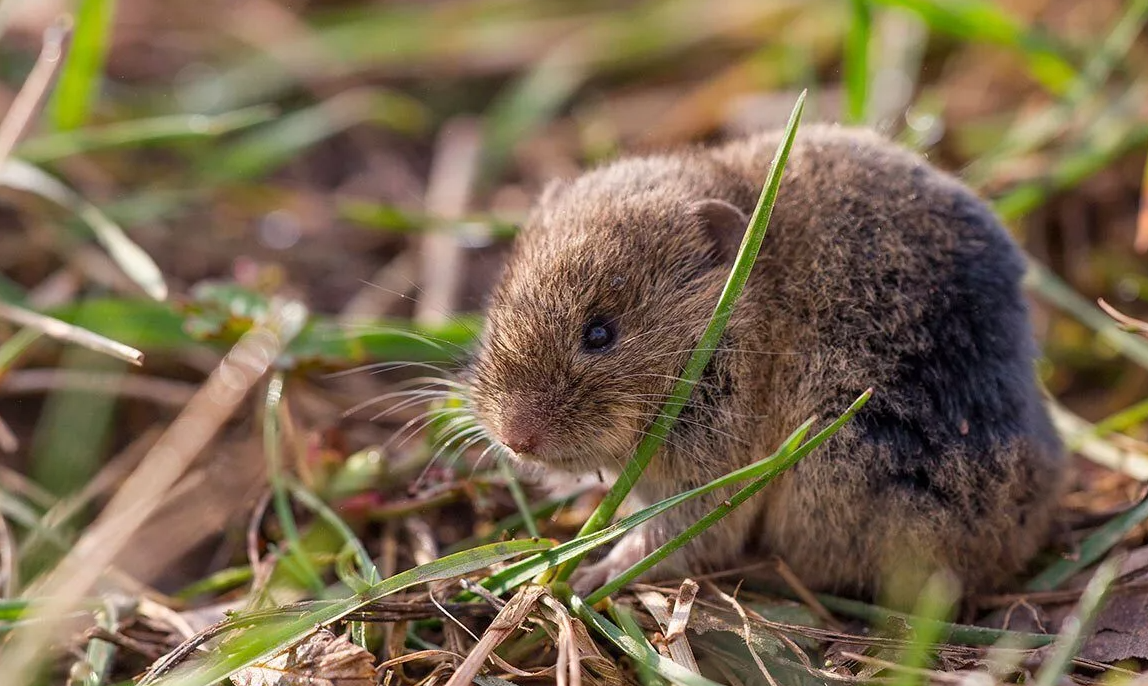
{"points": [[30, 100], [73, 334], [452, 180]]}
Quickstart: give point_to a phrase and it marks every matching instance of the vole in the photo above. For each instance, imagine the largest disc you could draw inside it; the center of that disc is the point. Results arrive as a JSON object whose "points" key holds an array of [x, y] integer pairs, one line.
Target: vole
{"points": [[878, 270]]}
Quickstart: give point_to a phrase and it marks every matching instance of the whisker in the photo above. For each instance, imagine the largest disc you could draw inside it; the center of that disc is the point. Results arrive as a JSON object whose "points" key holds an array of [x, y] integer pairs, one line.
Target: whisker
{"points": [[419, 392], [428, 416], [377, 367], [425, 397]]}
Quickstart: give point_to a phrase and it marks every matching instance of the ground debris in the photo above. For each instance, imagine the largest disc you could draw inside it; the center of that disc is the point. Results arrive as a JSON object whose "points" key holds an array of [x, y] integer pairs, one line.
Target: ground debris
{"points": [[323, 659]]}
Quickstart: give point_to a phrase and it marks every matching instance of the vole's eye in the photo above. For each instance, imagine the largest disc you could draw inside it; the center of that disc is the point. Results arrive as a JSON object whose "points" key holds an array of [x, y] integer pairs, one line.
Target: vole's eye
{"points": [[597, 335]]}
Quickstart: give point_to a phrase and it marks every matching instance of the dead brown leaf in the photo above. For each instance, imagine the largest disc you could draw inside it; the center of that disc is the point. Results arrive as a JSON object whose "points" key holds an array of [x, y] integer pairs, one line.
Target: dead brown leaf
{"points": [[1121, 632], [323, 659]]}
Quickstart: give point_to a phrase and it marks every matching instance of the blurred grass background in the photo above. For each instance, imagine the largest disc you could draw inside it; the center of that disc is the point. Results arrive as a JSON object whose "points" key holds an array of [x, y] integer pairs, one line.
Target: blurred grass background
{"points": [[371, 159]]}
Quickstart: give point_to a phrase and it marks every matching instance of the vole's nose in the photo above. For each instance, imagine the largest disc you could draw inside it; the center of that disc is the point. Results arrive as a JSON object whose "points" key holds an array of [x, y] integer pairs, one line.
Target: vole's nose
{"points": [[523, 443], [520, 432]]}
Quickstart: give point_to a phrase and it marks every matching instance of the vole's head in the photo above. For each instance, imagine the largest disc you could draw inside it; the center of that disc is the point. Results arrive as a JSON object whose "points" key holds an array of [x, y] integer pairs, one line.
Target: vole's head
{"points": [[606, 291]]}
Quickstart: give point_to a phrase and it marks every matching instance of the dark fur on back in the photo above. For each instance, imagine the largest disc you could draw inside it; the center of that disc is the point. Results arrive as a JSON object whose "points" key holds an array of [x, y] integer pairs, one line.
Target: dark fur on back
{"points": [[877, 271]]}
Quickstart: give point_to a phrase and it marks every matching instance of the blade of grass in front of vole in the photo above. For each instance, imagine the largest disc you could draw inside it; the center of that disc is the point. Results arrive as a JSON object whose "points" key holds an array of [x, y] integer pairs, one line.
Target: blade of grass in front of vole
{"points": [[739, 275], [788, 455]]}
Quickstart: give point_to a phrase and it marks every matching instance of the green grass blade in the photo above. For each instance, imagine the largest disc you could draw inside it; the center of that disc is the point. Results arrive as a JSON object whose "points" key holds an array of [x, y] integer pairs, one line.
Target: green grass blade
{"points": [[1092, 549], [1119, 422], [281, 499], [130, 257], [274, 631], [178, 127], [856, 61], [63, 331], [1077, 627], [98, 657], [392, 219], [155, 326], [218, 582], [984, 22], [79, 83], [789, 454], [739, 275]]}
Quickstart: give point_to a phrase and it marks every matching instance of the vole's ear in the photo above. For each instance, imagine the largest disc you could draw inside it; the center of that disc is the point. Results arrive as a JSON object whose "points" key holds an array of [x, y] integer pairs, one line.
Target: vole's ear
{"points": [[723, 222]]}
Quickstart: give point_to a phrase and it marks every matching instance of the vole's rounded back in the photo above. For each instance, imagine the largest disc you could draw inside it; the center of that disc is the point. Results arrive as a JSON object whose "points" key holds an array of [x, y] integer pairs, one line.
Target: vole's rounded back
{"points": [[877, 270]]}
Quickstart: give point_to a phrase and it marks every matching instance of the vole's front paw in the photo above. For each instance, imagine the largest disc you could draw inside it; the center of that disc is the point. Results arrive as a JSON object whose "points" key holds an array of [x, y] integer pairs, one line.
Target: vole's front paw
{"points": [[629, 550]]}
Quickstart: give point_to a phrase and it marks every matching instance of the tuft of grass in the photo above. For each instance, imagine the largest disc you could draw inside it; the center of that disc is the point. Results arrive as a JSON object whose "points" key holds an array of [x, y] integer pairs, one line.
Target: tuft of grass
{"points": [[679, 396]]}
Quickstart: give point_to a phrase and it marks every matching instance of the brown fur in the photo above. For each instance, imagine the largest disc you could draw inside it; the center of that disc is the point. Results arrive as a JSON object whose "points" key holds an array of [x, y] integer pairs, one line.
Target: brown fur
{"points": [[877, 271]]}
